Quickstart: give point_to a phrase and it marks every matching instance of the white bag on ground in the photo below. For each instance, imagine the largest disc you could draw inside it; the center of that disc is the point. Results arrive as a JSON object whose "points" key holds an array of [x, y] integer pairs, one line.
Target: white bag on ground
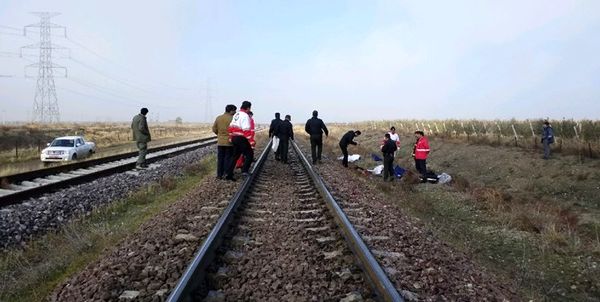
{"points": [[275, 144], [351, 158], [444, 178], [377, 170]]}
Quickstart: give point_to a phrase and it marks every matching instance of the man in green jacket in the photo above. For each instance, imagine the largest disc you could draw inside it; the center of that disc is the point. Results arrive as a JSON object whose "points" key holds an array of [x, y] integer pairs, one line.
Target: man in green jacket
{"points": [[224, 146], [141, 135]]}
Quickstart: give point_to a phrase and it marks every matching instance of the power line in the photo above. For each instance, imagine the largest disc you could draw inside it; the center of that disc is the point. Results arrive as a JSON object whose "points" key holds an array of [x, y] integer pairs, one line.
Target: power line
{"points": [[108, 91], [118, 65], [13, 28]]}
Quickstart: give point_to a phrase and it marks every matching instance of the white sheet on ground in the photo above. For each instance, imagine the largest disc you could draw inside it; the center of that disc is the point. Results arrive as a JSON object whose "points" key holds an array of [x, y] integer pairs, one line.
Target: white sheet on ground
{"points": [[351, 158], [377, 170]]}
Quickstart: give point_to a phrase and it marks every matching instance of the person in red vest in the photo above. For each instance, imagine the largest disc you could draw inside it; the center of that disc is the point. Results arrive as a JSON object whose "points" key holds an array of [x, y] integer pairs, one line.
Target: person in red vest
{"points": [[241, 135], [242, 159], [420, 152]]}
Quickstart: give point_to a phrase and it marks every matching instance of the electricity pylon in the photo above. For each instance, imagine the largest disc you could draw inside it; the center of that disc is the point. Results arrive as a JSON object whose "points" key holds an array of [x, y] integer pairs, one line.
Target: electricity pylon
{"points": [[45, 102]]}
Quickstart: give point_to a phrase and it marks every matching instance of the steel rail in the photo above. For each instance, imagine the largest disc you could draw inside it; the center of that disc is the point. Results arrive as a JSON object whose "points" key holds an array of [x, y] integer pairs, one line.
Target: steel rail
{"points": [[196, 271], [376, 275], [32, 191]]}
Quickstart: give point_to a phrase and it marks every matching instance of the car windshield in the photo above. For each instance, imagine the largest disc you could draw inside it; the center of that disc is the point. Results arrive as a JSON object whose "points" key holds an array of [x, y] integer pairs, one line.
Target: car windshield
{"points": [[63, 143]]}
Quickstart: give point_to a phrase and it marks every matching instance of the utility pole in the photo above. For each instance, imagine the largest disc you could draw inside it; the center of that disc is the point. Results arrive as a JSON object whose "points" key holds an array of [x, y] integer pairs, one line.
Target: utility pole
{"points": [[45, 102]]}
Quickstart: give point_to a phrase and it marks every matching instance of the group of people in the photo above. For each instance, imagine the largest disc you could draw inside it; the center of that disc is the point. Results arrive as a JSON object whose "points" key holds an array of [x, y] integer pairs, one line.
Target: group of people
{"points": [[235, 132], [281, 131]]}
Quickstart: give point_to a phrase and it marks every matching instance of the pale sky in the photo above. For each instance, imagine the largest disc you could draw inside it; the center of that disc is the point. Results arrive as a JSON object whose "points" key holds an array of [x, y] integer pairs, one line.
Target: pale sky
{"points": [[351, 60]]}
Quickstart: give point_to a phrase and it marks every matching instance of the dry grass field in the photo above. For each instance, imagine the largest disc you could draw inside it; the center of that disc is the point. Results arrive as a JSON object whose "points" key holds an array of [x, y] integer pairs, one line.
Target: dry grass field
{"points": [[527, 219], [20, 145]]}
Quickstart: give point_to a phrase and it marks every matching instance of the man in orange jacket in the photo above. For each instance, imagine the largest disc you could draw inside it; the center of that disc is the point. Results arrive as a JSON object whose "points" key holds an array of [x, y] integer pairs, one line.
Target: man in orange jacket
{"points": [[420, 152]]}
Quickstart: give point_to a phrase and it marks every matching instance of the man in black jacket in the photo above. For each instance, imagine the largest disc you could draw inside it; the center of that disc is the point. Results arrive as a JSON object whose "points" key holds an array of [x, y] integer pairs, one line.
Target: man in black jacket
{"points": [[348, 139], [285, 132], [315, 128], [272, 132], [388, 149]]}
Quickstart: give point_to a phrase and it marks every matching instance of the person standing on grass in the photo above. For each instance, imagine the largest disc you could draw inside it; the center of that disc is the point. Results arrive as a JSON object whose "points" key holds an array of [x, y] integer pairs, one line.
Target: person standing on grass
{"points": [[420, 153], [315, 128], [395, 137], [274, 124], [240, 132], [348, 139], [141, 136], [388, 149], [547, 138], [224, 146], [285, 131]]}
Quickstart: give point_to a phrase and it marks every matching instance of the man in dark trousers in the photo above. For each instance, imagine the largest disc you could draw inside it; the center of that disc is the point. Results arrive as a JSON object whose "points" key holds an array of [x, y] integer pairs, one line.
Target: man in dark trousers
{"points": [[285, 131], [274, 124], [348, 139], [315, 128], [240, 133], [388, 149], [547, 138], [420, 153], [141, 135], [224, 146]]}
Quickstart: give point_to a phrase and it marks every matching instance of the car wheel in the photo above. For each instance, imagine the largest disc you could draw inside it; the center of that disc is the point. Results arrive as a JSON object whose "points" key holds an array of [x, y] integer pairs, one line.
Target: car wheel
{"points": [[74, 156]]}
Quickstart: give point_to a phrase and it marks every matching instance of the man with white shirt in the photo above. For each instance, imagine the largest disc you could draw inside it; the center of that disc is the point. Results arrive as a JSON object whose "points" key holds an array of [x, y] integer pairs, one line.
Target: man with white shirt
{"points": [[395, 137]]}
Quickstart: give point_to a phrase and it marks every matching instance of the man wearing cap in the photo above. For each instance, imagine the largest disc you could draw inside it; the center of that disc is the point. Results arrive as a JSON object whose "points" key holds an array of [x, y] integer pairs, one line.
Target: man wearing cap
{"points": [[141, 135]]}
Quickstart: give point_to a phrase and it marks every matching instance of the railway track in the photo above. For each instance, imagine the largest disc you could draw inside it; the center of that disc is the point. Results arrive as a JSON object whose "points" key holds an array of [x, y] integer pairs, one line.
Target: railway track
{"points": [[283, 236], [18, 187]]}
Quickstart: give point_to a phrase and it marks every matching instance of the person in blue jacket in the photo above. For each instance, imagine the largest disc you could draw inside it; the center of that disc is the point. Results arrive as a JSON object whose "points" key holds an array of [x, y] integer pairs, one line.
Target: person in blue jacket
{"points": [[547, 138]]}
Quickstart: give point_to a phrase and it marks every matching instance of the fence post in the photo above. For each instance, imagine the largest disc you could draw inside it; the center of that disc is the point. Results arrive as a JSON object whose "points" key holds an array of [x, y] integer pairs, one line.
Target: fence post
{"points": [[515, 132], [533, 135]]}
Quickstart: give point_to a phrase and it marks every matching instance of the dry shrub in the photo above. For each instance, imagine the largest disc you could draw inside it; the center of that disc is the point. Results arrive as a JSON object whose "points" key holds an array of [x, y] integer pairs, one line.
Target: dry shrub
{"points": [[167, 183], [527, 222], [194, 169], [460, 183], [568, 218], [492, 198]]}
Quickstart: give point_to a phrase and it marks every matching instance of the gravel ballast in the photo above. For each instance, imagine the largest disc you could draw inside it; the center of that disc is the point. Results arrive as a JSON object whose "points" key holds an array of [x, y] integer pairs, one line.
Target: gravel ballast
{"points": [[20, 222]]}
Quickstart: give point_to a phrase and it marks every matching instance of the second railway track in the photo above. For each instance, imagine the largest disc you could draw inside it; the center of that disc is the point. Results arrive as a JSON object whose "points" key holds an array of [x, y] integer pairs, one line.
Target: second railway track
{"points": [[16, 188], [283, 237]]}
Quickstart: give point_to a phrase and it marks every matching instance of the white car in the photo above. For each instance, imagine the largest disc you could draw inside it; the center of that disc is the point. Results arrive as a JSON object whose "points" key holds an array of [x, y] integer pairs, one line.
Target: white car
{"points": [[67, 148]]}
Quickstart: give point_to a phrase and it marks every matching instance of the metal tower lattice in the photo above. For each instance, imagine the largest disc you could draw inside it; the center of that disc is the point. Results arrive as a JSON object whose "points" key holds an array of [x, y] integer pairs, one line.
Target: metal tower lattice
{"points": [[45, 102]]}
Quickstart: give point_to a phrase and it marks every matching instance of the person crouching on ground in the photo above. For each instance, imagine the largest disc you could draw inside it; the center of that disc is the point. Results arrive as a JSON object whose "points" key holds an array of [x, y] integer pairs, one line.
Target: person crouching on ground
{"points": [[348, 139], [420, 152], [285, 131], [240, 133], [388, 149], [224, 147]]}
